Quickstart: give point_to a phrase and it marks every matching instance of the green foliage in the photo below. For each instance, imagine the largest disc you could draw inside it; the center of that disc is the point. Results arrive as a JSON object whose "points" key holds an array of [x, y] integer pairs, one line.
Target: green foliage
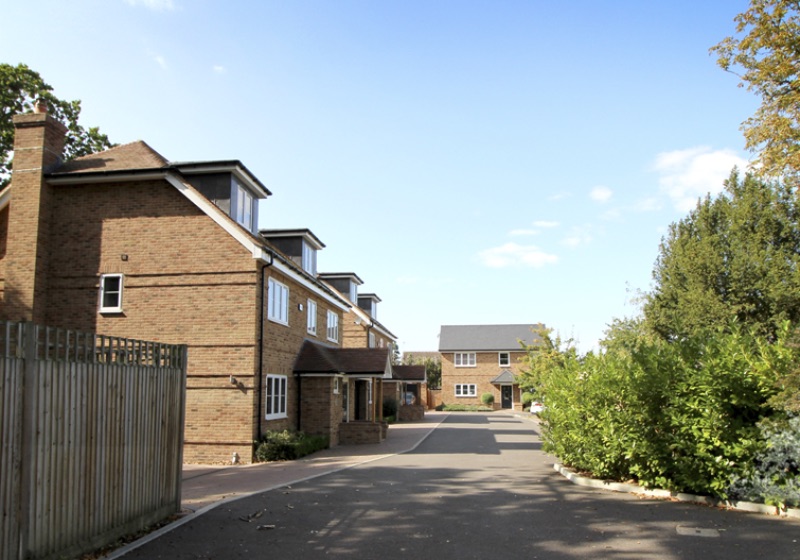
{"points": [[765, 54], [775, 478], [487, 399], [527, 398], [433, 369], [677, 416], [288, 446], [541, 358], [20, 87], [389, 406], [463, 408], [736, 257]]}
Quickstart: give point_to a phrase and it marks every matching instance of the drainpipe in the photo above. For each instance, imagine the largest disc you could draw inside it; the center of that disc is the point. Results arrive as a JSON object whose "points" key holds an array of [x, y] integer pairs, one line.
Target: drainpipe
{"points": [[261, 332]]}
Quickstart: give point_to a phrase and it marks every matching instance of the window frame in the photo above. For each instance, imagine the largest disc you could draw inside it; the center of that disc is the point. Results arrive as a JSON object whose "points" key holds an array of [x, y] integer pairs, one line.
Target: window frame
{"points": [[458, 359], [507, 362], [471, 390], [311, 317], [275, 403], [309, 258], [104, 291], [332, 327], [244, 213], [278, 295]]}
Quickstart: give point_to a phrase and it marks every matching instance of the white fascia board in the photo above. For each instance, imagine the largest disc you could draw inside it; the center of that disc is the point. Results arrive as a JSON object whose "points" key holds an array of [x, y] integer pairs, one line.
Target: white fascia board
{"points": [[308, 284], [259, 252], [218, 216]]}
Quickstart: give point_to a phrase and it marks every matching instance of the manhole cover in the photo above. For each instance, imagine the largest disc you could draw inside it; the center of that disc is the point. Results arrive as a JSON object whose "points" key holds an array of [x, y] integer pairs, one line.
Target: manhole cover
{"points": [[696, 532]]}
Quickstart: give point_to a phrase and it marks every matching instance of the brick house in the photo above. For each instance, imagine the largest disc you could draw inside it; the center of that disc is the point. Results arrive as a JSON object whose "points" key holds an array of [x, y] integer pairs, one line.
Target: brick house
{"points": [[361, 328], [478, 359], [126, 243]]}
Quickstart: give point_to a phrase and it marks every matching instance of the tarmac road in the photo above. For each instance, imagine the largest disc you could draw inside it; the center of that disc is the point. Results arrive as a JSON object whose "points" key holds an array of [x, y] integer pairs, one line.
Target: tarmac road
{"points": [[478, 487]]}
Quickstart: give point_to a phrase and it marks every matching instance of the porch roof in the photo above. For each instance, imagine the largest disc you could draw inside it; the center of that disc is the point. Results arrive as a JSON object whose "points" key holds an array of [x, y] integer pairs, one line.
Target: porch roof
{"points": [[505, 378], [316, 359], [409, 373]]}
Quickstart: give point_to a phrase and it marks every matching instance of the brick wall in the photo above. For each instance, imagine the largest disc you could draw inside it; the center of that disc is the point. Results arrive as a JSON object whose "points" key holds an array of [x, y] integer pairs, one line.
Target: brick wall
{"points": [[185, 281], [38, 142], [284, 342], [486, 369], [321, 409]]}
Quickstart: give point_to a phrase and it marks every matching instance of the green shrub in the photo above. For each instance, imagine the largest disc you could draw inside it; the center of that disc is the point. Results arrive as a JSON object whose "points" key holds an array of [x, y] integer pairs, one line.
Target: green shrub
{"points": [[287, 446], [681, 416], [487, 399], [465, 408], [775, 479], [390, 419], [389, 407], [527, 398]]}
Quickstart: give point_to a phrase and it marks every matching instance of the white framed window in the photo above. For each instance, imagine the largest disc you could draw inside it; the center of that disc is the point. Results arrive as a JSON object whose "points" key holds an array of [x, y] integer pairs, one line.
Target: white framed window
{"points": [[244, 207], [275, 397], [311, 320], [466, 390], [333, 326], [111, 293], [464, 359], [278, 306], [354, 292], [337, 385], [372, 340], [504, 358], [309, 259]]}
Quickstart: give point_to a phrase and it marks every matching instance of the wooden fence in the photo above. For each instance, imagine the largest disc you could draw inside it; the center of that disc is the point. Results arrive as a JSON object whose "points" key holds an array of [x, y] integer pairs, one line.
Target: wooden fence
{"points": [[92, 435]]}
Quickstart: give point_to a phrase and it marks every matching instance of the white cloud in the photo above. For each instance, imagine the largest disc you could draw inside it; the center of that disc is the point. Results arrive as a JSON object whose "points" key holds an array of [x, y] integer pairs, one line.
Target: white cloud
{"points": [[161, 61], [687, 175], [513, 254], [650, 204], [601, 194], [580, 235], [523, 232], [218, 69], [545, 224], [559, 196], [156, 5]]}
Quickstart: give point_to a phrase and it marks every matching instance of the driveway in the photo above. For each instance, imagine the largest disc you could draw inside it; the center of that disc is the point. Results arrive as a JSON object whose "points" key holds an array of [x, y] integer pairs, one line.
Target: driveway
{"points": [[478, 487]]}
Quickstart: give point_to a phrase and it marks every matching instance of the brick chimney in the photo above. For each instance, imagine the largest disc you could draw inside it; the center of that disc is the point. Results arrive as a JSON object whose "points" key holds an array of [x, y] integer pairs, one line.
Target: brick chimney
{"points": [[38, 145]]}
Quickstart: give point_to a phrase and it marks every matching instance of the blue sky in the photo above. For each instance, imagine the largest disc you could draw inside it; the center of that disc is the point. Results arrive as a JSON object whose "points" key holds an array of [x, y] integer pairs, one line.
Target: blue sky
{"points": [[474, 162]]}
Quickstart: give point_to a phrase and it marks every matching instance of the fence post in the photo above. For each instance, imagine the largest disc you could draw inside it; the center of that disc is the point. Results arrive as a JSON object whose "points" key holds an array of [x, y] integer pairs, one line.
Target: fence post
{"points": [[183, 349], [28, 340]]}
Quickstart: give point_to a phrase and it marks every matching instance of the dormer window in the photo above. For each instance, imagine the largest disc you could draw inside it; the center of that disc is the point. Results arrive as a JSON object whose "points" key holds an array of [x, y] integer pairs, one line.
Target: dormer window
{"points": [[309, 259], [353, 292], [369, 303], [244, 205]]}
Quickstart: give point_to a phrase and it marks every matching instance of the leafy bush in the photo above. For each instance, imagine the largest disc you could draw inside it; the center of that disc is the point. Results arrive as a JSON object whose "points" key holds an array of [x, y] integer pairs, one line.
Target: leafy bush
{"points": [[527, 399], [681, 416], [487, 399], [389, 407], [775, 479], [465, 408], [287, 446]]}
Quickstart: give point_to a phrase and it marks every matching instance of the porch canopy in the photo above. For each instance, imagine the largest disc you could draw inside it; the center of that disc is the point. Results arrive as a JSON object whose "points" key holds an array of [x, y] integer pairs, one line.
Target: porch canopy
{"points": [[362, 369], [505, 378]]}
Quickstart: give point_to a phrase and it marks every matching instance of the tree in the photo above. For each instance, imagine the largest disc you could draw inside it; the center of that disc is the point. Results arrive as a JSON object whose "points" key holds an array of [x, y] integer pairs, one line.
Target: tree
{"points": [[20, 87], [733, 258], [433, 369], [765, 54]]}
